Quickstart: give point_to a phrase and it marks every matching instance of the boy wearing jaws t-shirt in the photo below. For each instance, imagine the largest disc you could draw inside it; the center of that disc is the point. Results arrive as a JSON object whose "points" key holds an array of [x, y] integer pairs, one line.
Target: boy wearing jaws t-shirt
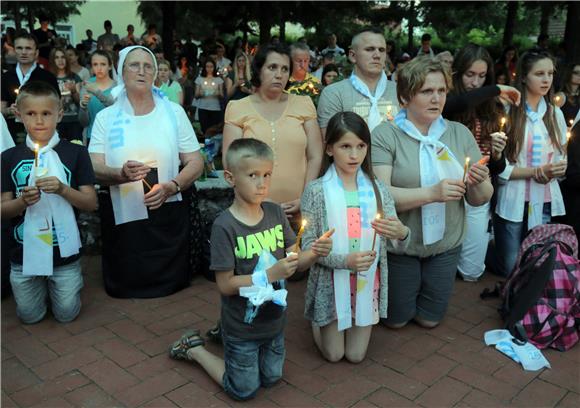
{"points": [[250, 231]]}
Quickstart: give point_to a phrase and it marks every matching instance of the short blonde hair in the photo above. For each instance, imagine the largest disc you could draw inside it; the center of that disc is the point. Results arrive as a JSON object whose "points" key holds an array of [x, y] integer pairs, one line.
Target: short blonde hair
{"points": [[246, 148], [412, 76]]}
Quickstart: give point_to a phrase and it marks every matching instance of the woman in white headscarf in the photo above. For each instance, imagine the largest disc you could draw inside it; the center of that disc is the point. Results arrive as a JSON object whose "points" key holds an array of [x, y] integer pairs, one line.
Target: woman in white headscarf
{"points": [[138, 146]]}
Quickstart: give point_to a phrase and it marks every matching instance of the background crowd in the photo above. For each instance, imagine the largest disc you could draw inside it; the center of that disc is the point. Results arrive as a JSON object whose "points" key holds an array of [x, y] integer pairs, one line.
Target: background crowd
{"points": [[496, 138]]}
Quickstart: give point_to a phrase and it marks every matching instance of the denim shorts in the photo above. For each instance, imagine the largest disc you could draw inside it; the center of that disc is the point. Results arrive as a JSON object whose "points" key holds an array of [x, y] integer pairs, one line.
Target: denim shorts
{"points": [[63, 288], [251, 364]]}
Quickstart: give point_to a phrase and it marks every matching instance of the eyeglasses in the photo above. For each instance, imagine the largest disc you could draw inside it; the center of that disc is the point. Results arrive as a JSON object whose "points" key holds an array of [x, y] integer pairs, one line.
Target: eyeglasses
{"points": [[136, 67]]}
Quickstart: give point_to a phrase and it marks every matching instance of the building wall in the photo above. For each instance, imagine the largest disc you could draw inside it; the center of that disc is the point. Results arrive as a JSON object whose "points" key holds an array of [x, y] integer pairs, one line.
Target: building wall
{"points": [[95, 12]]}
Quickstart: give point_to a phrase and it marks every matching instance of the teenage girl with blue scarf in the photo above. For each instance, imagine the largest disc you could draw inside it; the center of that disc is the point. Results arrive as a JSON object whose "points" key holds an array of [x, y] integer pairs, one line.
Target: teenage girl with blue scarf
{"points": [[528, 192]]}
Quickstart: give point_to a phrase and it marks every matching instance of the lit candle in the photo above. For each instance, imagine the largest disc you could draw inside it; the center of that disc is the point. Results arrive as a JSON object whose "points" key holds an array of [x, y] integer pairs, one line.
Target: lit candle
{"points": [[571, 122], [36, 147], [466, 167], [299, 236], [212, 83], [17, 91], [377, 217], [557, 99], [568, 136], [502, 123], [205, 82]]}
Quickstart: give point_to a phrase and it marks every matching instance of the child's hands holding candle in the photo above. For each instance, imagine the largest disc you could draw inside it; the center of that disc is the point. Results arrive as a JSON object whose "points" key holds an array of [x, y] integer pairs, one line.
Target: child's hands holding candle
{"points": [[284, 268], [30, 195], [50, 185], [360, 261], [390, 227], [323, 245]]}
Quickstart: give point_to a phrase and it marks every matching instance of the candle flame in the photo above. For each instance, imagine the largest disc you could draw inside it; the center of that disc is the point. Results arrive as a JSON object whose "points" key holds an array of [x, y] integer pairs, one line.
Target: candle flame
{"points": [[378, 216], [503, 120], [304, 222], [568, 135], [17, 91], [571, 122]]}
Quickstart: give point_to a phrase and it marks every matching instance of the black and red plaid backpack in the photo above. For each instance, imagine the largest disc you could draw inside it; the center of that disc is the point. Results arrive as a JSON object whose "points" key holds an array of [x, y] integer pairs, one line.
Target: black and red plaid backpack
{"points": [[541, 298]]}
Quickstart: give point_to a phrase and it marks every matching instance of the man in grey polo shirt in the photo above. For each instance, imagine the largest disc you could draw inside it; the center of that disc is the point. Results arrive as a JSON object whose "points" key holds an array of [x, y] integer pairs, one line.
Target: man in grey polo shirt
{"points": [[367, 92]]}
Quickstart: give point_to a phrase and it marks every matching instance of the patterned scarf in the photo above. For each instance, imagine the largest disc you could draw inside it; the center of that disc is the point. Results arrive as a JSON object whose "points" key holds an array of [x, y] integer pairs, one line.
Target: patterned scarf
{"points": [[336, 211]]}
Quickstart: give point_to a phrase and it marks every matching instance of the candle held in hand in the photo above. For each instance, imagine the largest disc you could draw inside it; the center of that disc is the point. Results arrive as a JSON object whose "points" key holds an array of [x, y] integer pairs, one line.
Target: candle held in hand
{"points": [[377, 217], [299, 236], [36, 147], [502, 123], [466, 167]]}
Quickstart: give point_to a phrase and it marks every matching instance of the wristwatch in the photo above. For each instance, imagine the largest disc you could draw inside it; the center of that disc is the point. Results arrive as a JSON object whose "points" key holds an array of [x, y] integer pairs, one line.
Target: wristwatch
{"points": [[176, 185]]}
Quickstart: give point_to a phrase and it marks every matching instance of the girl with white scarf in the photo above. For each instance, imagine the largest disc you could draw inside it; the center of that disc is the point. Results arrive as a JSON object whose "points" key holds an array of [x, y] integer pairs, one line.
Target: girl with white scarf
{"points": [[137, 146], [347, 290], [421, 157], [529, 193]]}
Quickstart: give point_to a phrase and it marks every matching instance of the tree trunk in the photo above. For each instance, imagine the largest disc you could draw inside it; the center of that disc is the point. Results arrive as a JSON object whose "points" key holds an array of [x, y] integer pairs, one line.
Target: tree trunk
{"points": [[265, 23], [30, 18], [546, 9], [510, 22], [571, 42], [17, 17], [282, 26], [168, 19], [411, 26]]}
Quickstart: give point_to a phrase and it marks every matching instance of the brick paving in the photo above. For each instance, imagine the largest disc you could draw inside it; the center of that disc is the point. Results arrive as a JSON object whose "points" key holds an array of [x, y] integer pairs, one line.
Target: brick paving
{"points": [[115, 354]]}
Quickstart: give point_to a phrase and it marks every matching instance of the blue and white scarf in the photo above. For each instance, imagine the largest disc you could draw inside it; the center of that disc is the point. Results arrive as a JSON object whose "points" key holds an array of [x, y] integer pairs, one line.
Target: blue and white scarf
{"points": [[541, 148], [374, 114], [52, 209], [336, 216], [436, 162]]}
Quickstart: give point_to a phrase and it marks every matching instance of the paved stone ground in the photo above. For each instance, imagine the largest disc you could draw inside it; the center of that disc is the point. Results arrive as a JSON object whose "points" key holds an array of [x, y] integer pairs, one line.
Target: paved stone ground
{"points": [[115, 354]]}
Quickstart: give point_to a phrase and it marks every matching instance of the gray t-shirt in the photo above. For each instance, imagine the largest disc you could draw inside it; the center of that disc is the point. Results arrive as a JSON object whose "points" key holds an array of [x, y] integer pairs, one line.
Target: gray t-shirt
{"points": [[209, 90], [342, 97], [393, 147], [237, 246]]}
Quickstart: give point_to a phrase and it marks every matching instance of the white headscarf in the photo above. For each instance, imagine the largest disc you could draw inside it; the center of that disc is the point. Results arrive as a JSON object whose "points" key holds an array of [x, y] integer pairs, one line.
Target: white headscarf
{"points": [[120, 88]]}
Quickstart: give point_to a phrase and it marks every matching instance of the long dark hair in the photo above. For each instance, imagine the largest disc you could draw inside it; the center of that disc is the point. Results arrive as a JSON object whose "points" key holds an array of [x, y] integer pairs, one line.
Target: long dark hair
{"points": [[204, 71], [517, 123], [339, 125], [488, 112]]}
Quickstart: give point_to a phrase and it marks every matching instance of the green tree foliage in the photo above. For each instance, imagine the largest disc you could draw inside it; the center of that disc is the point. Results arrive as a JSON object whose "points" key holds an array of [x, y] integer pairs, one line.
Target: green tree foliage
{"points": [[28, 11]]}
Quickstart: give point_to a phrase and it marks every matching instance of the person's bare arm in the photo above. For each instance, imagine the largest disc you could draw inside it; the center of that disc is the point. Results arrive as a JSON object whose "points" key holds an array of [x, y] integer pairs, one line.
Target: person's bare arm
{"points": [[231, 133]]}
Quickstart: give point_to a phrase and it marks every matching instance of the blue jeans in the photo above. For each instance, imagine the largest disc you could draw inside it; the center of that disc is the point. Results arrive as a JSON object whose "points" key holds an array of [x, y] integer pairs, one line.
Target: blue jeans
{"points": [[63, 288], [508, 236], [251, 364]]}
